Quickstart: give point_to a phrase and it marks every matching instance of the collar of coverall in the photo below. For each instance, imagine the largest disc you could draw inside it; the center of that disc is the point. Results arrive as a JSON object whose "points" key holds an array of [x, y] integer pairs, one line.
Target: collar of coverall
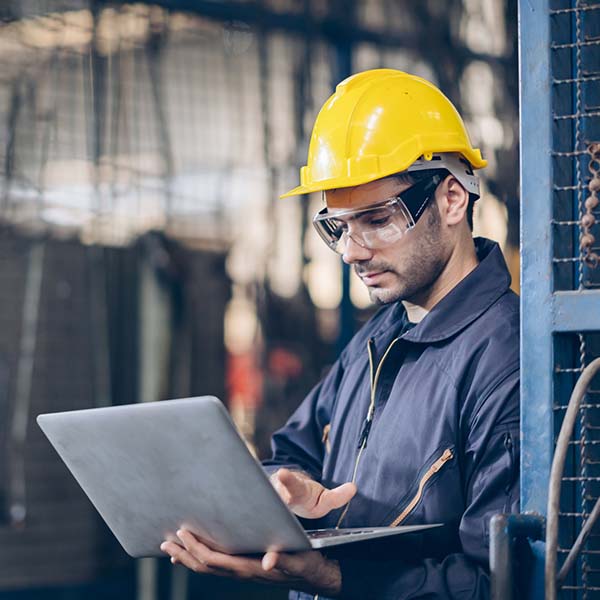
{"points": [[464, 303]]}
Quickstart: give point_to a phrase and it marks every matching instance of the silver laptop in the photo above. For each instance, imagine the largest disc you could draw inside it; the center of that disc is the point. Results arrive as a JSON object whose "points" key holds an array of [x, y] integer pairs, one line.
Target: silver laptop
{"points": [[152, 468]]}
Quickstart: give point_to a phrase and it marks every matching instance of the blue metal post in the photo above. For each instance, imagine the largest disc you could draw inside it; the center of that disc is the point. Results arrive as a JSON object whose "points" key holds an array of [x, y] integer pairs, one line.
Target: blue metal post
{"points": [[536, 254], [504, 530]]}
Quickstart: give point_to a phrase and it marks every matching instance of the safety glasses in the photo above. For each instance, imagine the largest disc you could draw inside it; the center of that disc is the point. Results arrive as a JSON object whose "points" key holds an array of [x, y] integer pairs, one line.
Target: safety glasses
{"points": [[377, 225]]}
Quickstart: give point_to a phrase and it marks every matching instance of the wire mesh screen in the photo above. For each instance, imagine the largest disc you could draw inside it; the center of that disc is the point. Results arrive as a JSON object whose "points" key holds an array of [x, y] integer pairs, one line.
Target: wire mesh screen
{"points": [[581, 481], [575, 64]]}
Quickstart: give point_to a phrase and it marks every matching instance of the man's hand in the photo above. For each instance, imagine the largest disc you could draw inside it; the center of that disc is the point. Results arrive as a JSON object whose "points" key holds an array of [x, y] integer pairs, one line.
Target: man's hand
{"points": [[306, 497], [306, 571]]}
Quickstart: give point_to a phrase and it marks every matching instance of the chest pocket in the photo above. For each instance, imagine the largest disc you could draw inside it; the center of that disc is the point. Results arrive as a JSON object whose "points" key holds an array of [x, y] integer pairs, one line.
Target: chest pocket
{"points": [[439, 461]]}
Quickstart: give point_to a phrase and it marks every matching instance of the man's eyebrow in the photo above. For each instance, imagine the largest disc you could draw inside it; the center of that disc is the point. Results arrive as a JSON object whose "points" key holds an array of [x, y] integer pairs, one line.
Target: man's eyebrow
{"points": [[350, 218]]}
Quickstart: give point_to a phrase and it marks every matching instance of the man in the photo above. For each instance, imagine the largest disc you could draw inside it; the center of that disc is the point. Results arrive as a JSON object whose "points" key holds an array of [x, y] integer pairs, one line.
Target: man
{"points": [[418, 420]]}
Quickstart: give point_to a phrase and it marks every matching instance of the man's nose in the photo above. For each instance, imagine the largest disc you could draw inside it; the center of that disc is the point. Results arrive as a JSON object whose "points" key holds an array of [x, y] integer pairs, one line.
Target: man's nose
{"points": [[354, 252]]}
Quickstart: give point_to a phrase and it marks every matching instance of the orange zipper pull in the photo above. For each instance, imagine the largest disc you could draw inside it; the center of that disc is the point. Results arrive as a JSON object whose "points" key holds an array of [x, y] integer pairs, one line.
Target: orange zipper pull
{"points": [[439, 463]]}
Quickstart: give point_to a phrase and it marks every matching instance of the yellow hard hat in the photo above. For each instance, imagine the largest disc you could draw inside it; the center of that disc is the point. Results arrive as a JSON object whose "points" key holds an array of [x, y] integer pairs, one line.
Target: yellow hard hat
{"points": [[378, 123]]}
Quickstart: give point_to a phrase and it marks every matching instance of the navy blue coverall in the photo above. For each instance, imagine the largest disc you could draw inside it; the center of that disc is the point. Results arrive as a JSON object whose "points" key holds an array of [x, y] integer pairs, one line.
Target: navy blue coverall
{"points": [[442, 445]]}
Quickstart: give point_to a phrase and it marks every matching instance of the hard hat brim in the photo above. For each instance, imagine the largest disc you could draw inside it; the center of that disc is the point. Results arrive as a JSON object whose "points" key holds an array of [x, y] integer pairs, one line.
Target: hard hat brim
{"points": [[297, 191], [474, 158]]}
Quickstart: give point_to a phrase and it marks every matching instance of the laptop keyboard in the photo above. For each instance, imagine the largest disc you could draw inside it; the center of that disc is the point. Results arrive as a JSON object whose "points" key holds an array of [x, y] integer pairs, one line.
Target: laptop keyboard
{"points": [[328, 533]]}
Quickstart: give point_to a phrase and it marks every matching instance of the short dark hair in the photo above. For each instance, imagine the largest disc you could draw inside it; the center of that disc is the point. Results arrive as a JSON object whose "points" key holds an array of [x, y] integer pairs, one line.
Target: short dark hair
{"points": [[414, 177]]}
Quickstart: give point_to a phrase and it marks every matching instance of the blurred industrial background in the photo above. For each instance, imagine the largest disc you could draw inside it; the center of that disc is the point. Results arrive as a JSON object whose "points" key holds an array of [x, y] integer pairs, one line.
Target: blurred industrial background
{"points": [[144, 253]]}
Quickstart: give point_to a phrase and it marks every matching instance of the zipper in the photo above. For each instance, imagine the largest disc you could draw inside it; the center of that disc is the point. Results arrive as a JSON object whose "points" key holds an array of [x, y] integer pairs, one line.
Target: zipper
{"points": [[433, 469], [366, 429], [362, 442], [508, 446]]}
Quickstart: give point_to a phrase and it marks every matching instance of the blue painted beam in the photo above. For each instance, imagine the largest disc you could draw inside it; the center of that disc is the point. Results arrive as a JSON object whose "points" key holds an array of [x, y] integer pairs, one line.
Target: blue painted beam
{"points": [[536, 254], [576, 311]]}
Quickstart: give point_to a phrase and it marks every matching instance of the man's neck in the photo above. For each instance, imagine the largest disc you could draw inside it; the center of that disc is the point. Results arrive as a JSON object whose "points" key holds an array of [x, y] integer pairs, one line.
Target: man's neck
{"points": [[414, 312], [461, 263]]}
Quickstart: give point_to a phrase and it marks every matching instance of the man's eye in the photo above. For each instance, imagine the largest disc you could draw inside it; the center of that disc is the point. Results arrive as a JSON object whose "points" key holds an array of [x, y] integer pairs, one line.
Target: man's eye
{"points": [[378, 221], [375, 218]]}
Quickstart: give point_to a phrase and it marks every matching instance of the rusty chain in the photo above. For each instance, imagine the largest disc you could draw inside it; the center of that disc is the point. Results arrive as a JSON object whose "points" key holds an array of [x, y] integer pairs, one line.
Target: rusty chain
{"points": [[588, 219]]}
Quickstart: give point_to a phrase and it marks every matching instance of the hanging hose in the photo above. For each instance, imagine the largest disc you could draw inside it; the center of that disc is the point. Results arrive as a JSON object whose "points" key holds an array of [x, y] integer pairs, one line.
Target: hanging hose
{"points": [[578, 545], [558, 463]]}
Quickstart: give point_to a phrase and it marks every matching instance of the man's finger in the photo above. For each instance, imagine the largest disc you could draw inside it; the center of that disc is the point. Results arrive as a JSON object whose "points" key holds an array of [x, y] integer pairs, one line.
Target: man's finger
{"points": [[335, 498], [300, 570], [182, 556], [295, 487], [269, 560], [280, 487], [199, 551], [309, 498], [242, 567], [290, 564]]}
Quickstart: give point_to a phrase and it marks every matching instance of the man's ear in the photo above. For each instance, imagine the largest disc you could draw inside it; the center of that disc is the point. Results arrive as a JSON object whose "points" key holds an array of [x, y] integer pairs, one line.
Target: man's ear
{"points": [[457, 201]]}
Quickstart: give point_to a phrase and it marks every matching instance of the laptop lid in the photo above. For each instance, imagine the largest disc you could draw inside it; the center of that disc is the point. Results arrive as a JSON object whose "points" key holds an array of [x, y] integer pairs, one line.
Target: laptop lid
{"points": [[152, 468]]}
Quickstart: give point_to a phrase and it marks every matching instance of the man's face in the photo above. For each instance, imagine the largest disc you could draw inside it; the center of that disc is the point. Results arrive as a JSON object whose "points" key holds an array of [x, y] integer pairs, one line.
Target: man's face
{"points": [[406, 268]]}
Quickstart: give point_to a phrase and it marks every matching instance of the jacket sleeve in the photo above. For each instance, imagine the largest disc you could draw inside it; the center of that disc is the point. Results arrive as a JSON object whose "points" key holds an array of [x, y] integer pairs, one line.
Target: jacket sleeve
{"points": [[299, 443], [490, 463]]}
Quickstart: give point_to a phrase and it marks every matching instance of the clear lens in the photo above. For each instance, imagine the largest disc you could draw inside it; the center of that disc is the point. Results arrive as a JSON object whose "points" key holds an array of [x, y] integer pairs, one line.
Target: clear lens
{"points": [[378, 225], [373, 227]]}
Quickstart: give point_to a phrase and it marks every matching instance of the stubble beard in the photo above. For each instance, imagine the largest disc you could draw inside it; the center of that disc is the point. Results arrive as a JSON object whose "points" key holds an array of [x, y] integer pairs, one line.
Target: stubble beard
{"points": [[422, 266]]}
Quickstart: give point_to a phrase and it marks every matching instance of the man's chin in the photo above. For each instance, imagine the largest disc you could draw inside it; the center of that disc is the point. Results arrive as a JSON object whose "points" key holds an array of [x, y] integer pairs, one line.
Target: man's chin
{"points": [[381, 296]]}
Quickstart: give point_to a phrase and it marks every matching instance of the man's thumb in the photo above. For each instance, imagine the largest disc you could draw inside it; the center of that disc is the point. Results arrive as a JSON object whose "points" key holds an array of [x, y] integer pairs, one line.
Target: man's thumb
{"points": [[337, 497]]}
